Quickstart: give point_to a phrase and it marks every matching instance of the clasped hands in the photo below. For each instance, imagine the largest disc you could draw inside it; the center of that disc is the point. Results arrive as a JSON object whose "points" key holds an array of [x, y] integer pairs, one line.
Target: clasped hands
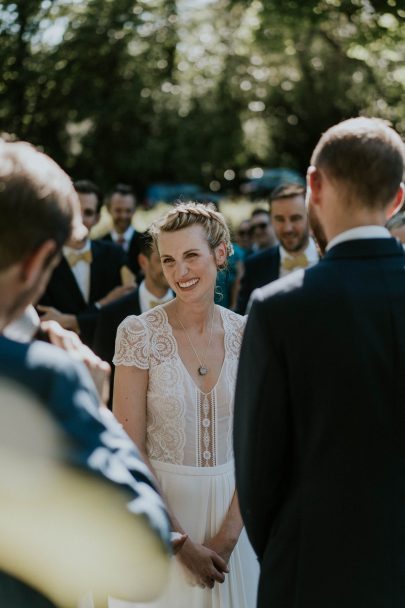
{"points": [[206, 563]]}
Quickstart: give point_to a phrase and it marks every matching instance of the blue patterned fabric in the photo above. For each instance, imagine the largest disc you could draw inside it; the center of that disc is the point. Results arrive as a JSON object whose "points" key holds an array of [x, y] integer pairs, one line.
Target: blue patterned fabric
{"points": [[98, 442]]}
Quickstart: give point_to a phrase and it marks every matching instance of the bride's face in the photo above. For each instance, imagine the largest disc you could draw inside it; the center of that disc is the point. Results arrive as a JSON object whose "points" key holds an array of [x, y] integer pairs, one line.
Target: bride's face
{"points": [[189, 265]]}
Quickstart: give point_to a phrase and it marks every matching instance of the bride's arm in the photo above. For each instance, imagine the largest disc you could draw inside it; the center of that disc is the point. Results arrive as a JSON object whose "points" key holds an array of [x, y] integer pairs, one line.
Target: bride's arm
{"points": [[227, 536], [129, 407]]}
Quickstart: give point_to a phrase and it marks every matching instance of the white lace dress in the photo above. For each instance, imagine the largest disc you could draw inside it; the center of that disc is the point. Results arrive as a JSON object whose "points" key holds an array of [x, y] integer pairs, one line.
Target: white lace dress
{"points": [[189, 443]]}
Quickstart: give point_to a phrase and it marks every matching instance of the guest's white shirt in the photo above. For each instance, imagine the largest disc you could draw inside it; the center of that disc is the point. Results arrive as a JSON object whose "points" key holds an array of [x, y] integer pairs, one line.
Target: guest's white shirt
{"points": [[147, 300], [127, 236], [310, 252], [361, 232], [81, 270]]}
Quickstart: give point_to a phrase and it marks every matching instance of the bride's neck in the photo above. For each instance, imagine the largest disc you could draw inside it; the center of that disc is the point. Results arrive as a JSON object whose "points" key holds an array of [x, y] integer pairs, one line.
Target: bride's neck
{"points": [[197, 315]]}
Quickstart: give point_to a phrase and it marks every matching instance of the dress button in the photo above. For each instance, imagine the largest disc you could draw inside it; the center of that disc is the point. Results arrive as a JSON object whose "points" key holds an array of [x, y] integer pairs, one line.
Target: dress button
{"points": [[207, 455], [206, 422]]}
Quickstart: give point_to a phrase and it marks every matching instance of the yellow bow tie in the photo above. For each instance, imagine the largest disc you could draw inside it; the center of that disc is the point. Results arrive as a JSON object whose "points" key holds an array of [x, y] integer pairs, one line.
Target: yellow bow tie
{"points": [[299, 261], [85, 256], [153, 303]]}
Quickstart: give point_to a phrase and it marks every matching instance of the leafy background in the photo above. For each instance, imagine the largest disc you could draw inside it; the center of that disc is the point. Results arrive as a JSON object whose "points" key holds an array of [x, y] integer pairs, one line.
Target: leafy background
{"points": [[194, 90]]}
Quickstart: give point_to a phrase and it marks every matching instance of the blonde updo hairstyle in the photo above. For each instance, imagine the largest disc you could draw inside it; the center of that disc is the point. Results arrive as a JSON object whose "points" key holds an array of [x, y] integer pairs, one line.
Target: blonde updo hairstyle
{"points": [[183, 215]]}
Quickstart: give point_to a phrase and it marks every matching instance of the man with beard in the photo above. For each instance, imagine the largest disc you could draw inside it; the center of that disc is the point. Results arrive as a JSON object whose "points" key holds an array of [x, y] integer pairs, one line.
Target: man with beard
{"points": [[153, 290], [296, 249]]}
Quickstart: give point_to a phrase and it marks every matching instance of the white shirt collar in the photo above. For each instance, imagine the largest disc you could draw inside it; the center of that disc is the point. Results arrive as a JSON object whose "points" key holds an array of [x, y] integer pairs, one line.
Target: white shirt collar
{"points": [[85, 248], [361, 232], [146, 298], [127, 235]]}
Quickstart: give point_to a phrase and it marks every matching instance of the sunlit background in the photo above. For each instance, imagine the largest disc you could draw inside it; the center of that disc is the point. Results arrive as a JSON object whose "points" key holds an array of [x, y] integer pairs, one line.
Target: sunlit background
{"points": [[210, 93]]}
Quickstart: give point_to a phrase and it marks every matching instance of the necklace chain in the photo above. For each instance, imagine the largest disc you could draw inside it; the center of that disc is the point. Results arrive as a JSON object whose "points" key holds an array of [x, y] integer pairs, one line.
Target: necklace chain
{"points": [[203, 369]]}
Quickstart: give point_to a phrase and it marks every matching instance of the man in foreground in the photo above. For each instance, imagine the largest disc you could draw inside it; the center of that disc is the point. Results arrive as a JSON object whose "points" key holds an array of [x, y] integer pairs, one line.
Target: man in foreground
{"points": [[319, 413], [39, 210]]}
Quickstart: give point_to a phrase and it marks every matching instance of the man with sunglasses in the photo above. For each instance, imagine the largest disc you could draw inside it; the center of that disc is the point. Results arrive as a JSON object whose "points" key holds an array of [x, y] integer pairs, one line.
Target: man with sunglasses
{"points": [[91, 274], [261, 230], [296, 249]]}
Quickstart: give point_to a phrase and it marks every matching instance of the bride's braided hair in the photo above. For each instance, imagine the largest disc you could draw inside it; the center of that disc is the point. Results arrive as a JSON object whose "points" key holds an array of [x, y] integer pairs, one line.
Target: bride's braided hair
{"points": [[183, 215]]}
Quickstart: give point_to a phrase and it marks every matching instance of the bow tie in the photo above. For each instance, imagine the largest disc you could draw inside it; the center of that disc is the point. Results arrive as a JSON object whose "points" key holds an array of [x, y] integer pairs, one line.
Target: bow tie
{"points": [[85, 256], [153, 303], [299, 261]]}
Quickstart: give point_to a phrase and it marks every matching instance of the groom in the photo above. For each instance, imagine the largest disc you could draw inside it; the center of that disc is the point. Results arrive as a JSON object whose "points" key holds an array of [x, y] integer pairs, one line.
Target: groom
{"points": [[320, 397]]}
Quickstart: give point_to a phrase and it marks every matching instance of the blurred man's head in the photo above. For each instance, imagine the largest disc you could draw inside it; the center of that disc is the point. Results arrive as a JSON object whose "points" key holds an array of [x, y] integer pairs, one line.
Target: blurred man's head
{"points": [[261, 230], [39, 210], [91, 201], [149, 261], [121, 206], [243, 235], [396, 225], [289, 217]]}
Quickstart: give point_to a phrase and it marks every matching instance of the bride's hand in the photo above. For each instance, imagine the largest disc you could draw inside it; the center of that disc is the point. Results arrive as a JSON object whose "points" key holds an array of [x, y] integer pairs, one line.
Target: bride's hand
{"points": [[205, 565], [221, 545]]}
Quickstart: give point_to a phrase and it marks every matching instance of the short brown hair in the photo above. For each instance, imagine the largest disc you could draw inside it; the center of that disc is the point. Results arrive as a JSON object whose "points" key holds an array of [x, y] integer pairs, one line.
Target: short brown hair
{"points": [[35, 202], [287, 191], [188, 214], [366, 157]]}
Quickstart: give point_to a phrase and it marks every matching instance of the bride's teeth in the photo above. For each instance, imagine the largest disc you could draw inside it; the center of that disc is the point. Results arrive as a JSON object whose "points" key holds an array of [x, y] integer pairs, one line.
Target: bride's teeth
{"points": [[189, 283]]}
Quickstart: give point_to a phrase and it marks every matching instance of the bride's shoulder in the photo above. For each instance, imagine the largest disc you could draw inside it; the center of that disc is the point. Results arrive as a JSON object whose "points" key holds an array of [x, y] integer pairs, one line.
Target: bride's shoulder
{"points": [[233, 319]]}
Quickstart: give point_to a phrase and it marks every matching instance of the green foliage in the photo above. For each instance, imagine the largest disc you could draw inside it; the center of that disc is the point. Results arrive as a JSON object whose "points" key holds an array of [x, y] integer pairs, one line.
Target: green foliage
{"points": [[148, 90]]}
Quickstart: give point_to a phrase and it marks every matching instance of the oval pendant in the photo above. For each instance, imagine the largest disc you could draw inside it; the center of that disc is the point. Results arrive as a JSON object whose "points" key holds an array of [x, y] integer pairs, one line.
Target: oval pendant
{"points": [[202, 370]]}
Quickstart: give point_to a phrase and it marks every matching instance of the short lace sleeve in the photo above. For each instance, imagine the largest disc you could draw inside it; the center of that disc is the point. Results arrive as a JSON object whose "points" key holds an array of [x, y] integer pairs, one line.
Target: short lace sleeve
{"points": [[132, 343]]}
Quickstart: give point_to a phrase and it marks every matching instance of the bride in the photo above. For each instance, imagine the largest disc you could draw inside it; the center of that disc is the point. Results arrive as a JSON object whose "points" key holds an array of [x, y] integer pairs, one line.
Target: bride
{"points": [[174, 387]]}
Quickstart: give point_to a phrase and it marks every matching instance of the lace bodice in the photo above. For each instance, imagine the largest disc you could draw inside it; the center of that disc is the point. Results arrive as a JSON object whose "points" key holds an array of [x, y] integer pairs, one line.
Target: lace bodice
{"points": [[184, 425]]}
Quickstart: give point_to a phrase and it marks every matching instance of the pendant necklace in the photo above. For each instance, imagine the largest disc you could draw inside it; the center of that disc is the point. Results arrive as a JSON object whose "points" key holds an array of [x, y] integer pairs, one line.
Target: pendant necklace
{"points": [[203, 369]]}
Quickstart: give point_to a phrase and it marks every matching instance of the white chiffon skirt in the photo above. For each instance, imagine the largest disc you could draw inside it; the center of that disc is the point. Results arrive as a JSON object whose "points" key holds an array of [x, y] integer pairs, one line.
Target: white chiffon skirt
{"points": [[200, 498]]}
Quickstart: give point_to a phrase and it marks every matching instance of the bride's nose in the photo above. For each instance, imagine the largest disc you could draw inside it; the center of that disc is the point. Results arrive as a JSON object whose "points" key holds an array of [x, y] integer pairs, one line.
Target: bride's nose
{"points": [[181, 270]]}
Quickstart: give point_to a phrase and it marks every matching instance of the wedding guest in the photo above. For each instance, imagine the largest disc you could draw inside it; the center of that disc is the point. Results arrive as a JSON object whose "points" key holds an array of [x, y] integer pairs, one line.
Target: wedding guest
{"points": [[396, 225], [121, 205], [319, 432], [243, 237], [152, 291], [296, 248], [261, 230], [90, 274]]}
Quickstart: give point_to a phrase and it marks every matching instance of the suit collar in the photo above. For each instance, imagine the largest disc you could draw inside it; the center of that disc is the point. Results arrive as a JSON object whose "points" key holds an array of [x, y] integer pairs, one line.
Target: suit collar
{"points": [[365, 248]]}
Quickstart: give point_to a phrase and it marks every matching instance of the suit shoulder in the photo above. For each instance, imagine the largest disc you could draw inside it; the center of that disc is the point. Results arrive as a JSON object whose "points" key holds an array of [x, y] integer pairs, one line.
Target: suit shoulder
{"points": [[126, 305], [105, 246], [281, 288], [262, 257]]}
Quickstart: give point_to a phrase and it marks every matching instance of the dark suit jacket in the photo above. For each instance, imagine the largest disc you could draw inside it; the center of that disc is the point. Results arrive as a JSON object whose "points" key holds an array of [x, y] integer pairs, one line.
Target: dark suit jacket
{"points": [[64, 294], [107, 324], [109, 319], [132, 254], [320, 431], [260, 268]]}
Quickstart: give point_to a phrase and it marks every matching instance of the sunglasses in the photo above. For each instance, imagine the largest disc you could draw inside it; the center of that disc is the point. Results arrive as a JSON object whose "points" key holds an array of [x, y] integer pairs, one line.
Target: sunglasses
{"points": [[89, 213], [261, 226]]}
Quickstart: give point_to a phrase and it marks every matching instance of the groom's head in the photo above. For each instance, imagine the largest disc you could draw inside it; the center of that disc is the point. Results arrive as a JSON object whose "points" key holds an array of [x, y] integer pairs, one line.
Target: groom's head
{"points": [[364, 159], [355, 177]]}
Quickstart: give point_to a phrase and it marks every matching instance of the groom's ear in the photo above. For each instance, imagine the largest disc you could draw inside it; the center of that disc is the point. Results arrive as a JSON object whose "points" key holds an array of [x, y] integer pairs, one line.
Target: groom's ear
{"points": [[314, 184], [398, 201]]}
